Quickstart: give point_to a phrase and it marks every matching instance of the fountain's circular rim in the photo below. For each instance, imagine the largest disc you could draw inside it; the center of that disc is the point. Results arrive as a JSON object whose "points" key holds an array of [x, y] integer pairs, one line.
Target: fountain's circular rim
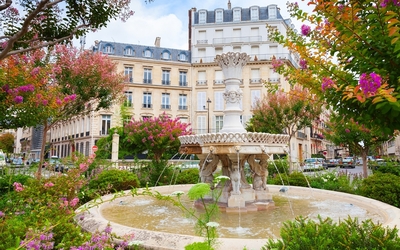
{"points": [[93, 220]]}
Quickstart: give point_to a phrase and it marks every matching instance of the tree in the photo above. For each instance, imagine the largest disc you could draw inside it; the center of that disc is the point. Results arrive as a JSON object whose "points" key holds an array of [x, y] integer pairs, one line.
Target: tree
{"points": [[29, 25], [357, 137], [285, 112], [50, 87], [157, 135], [7, 143], [349, 55]]}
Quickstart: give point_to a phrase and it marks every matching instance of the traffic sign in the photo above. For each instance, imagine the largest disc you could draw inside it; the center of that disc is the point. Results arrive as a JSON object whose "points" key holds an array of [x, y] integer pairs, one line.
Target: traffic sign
{"points": [[94, 148]]}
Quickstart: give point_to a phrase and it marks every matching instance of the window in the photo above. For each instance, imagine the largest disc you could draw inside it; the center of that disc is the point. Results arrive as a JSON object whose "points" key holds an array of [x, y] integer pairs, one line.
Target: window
{"points": [[219, 17], [146, 100], [201, 124], [218, 51], [147, 53], [183, 102], [219, 77], [272, 12], [165, 77], [219, 123], [166, 55], [255, 96], [147, 76], [255, 76], [182, 57], [105, 124], [165, 104], [237, 49], [201, 100], [219, 100], [237, 15], [182, 78], [87, 149], [128, 74], [254, 13], [128, 100], [108, 49], [202, 16], [201, 80], [129, 51]]}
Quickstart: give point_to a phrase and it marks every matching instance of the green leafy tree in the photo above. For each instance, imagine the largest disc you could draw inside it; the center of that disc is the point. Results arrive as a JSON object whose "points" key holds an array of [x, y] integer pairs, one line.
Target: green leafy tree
{"points": [[348, 54], [28, 25], [284, 112], [357, 137], [7, 142]]}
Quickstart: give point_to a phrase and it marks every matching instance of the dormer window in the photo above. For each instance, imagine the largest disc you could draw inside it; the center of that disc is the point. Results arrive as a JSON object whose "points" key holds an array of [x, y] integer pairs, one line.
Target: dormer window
{"points": [[129, 51], [108, 49], [202, 16], [147, 53], [272, 12], [219, 16], [182, 57], [166, 55], [237, 15], [254, 13]]}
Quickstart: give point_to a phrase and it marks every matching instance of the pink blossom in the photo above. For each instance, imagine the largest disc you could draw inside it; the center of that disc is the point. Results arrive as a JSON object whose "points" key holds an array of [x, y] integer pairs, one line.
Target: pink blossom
{"points": [[347, 130], [303, 64], [18, 99], [327, 83], [18, 187], [370, 83], [74, 202], [305, 30], [48, 184]]}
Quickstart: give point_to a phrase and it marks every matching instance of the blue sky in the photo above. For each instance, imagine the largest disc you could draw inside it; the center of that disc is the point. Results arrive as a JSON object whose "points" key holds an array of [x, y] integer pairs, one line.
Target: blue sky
{"points": [[168, 19]]}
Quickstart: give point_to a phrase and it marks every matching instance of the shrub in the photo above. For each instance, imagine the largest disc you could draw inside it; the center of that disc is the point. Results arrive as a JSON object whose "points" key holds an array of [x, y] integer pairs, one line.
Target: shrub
{"points": [[188, 176], [293, 179], [6, 182], [382, 187], [303, 233], [336, 182], [114, 180], [389, 169], [278, 166]]}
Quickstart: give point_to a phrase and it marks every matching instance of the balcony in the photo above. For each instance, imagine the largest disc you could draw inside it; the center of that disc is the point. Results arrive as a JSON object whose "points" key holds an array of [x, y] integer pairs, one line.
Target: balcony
{"points": [[182, 107], [165, 106], [129, 79], [147, 81], [216, 82], [204, 41], [183, 84], [317, 136], [166, 82], [255, 80], [244, 39], [201, 82], [301, 135], [147, 105], [274, 79]]}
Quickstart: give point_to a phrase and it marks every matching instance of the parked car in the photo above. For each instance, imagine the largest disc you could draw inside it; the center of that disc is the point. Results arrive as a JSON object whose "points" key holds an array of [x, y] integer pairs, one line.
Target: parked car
{"points": [[17, 162], [313, 164], [53, 163], [331, 163], [348, 162]]}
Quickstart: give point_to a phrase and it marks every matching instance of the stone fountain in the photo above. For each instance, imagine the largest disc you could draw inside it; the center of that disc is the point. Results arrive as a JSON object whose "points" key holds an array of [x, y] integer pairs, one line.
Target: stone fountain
{"points": [[232, 147]]}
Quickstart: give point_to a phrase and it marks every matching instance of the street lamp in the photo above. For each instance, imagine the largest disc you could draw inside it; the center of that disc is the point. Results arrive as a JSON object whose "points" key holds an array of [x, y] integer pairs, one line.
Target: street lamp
{"points": [[208, 114]]}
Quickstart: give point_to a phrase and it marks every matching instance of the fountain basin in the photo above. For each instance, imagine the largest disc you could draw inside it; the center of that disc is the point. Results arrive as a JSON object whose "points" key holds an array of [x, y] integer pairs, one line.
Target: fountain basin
{"points": [[377, 211]]}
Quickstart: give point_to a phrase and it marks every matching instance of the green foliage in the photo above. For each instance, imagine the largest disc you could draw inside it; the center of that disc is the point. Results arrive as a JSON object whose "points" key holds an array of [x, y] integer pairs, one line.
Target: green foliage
{"points": [[325, 234], [382, 187], [198, 191], [293, 179], [198, 246], [114, 180], [6, 182], [188, 176], [335, 182], [7, 142], [278, 166]]}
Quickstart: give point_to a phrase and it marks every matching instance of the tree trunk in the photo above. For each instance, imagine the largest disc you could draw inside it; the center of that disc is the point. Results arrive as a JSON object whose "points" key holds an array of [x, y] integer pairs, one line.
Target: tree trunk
{"points": [[42, 149], [364, 153]]}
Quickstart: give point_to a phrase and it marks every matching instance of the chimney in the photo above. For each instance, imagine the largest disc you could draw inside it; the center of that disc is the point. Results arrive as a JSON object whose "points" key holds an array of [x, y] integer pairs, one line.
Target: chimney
{"points": [[229, 5], [157, 41]]}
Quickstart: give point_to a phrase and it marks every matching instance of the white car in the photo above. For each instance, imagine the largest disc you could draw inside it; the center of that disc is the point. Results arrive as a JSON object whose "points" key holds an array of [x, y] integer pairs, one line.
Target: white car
{"points": [[313, 164]]}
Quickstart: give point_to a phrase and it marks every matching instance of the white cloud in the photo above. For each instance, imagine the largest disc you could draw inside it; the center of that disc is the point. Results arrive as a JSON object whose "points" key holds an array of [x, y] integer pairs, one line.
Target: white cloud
{"points": [[168, 20]]}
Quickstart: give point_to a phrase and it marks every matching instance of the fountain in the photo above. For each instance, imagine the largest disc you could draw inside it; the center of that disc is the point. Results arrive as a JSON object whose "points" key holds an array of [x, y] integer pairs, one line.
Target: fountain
{"points": [[232, 148]]}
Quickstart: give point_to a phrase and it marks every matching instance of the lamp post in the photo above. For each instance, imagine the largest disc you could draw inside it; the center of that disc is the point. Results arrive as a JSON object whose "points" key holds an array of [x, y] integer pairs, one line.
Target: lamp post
{"points": [[208, 114]]}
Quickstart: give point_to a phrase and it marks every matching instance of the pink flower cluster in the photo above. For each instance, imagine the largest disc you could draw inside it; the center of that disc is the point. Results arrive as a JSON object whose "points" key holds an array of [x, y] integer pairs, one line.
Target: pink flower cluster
{"points": [[305, 30], [303, 64], [276, 64], [384, 3], [370, 83], [48, 184], [44, 241], [18, 187], [327, 83]]}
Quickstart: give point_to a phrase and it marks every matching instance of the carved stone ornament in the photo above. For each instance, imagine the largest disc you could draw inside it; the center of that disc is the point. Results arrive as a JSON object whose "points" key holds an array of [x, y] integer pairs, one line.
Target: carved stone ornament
{"points": [[232, 63], [233, 96]]}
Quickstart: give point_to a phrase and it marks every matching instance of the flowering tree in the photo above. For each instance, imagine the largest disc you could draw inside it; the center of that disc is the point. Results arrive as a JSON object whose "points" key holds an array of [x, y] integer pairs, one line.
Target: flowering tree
{"points": [[41, 88], [349, 55], [156, 135], [356, 136], [7, 142], [29, 25], [284, 112]]}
